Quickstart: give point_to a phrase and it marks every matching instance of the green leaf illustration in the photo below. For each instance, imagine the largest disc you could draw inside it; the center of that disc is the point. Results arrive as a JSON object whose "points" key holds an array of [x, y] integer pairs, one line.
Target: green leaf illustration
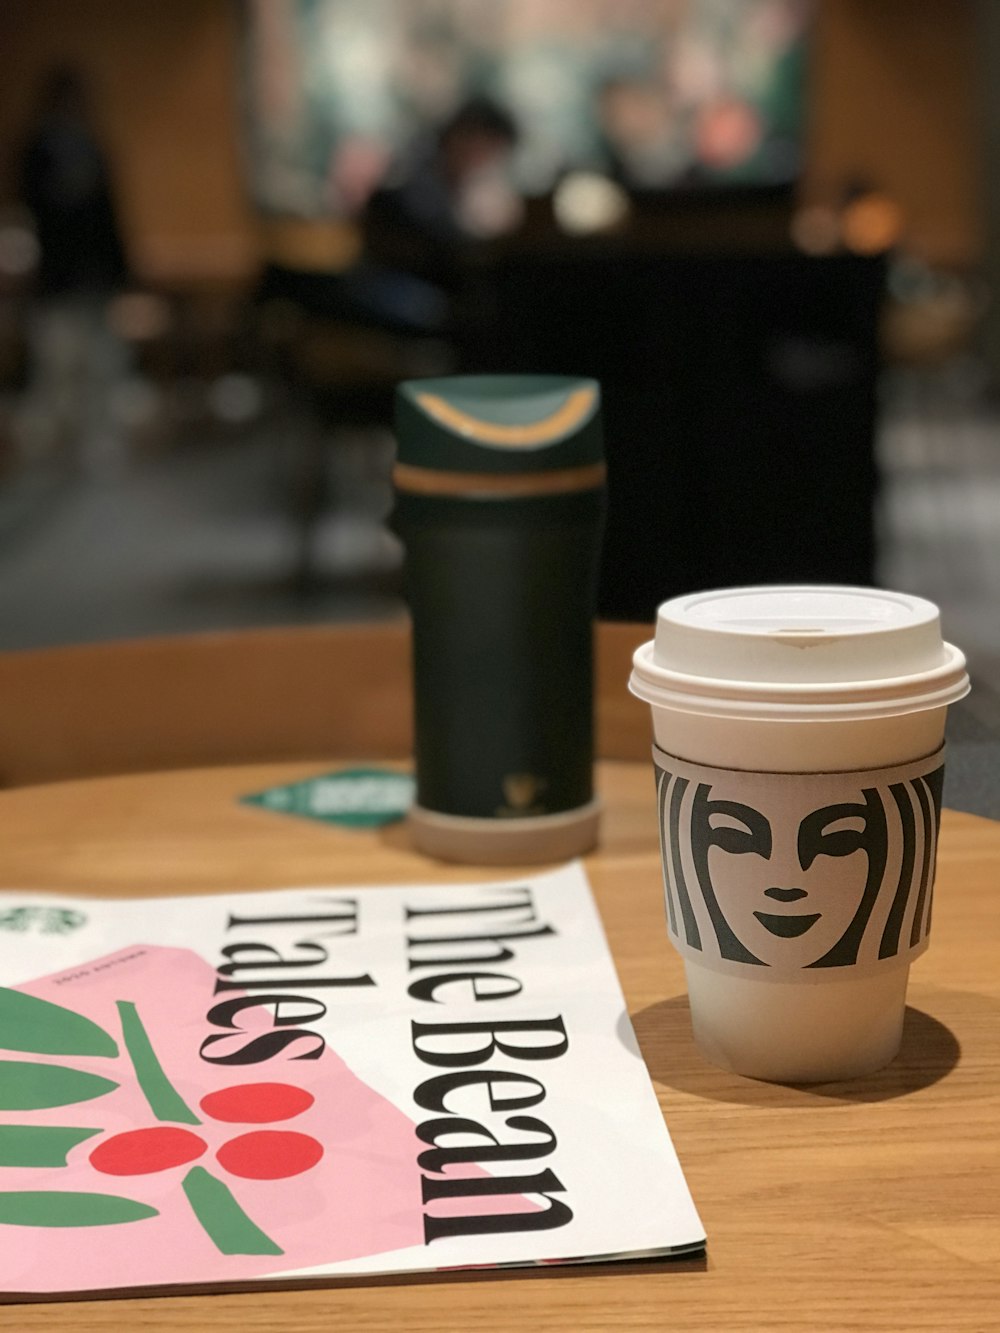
{"points": [[222, 1217], [39, 1145], [164, 1100], [30, 1024], [26, 1086], [55, 1208]]}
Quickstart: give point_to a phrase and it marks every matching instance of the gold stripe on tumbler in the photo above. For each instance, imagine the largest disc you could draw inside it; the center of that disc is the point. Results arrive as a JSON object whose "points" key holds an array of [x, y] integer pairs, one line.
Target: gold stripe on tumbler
{"points": [[427, 481], [559, 422]]}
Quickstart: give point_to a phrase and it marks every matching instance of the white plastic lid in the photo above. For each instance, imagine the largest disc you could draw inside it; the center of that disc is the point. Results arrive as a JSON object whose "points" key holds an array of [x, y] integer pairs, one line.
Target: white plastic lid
{"points": [[799, 652]]}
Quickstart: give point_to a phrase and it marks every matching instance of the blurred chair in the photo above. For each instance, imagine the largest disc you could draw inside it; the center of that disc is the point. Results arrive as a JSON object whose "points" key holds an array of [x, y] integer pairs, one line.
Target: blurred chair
{"points": [[341, 336], [191, 701]]}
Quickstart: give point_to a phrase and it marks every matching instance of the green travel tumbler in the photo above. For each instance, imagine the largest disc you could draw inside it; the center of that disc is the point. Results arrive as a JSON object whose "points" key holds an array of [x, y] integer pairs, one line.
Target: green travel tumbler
{"points": [[499, 489]]}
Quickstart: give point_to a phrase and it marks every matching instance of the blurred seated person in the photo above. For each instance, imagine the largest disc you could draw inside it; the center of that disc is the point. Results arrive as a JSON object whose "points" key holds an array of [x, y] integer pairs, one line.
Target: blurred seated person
{"points": [[641, 134], [65, 182], [448, 193]]}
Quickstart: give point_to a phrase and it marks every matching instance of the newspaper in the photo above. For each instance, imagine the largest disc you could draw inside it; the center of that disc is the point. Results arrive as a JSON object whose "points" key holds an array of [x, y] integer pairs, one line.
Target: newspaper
{"points": [[318, 1082]]}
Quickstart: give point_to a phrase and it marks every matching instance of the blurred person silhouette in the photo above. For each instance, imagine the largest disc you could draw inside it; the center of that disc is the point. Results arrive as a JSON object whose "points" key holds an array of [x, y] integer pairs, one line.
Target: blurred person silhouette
{"points": [[448, 193], [640, 132], [75, 358]]}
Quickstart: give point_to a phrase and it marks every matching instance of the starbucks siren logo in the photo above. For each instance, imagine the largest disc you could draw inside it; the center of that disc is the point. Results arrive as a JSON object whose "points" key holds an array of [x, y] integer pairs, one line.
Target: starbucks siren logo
{"points": [[45, 920]]}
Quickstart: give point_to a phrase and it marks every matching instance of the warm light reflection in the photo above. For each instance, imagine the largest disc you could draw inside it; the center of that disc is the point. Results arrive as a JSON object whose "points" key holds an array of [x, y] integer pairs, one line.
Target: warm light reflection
{"points": [[816, 230], [585, 202], [871, 224]]}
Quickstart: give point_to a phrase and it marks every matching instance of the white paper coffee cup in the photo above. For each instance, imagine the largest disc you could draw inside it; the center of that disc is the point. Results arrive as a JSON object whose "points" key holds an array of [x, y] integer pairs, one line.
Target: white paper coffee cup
{"points": [[798, 750]]}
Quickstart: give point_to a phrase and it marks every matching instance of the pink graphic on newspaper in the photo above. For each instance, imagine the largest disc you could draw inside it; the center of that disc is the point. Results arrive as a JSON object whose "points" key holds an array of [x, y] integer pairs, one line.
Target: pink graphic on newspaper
{"points": [[128, 1159]]}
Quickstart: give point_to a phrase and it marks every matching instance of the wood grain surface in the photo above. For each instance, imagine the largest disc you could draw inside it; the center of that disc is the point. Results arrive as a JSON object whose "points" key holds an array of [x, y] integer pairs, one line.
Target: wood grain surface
{"points": [[243, 696], [873, 1205]]}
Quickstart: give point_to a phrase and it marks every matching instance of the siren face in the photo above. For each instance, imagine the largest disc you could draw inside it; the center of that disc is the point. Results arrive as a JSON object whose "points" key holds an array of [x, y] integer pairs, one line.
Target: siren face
{"points": [[793, 871], [783, 874]]}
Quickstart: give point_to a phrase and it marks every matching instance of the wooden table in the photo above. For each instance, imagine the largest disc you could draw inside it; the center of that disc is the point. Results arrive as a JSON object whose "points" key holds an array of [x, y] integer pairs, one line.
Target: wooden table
{"points": [[868, 1206]]}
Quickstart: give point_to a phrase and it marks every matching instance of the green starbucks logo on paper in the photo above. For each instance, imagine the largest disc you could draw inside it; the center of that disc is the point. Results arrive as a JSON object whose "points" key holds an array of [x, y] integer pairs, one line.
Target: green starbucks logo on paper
{"points": [[352, 797], [44, 920]]}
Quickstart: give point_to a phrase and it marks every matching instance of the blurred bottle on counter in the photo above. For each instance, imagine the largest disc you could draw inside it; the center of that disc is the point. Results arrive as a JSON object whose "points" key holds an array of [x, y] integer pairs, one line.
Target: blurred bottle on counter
{"points": [[499, 503]]}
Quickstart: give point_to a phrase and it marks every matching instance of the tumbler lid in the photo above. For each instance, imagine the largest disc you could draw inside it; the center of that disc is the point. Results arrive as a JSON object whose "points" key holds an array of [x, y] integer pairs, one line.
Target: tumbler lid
{"points": [[499, 423]]}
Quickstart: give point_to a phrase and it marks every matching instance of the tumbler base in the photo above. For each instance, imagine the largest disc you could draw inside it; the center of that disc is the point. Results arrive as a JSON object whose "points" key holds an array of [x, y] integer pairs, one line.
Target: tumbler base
{"points": [[498, 842]]}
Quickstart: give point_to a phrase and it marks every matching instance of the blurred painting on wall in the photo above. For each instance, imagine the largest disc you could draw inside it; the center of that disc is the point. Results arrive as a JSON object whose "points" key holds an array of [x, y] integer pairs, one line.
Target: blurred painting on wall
{"points": [[658, 95]]}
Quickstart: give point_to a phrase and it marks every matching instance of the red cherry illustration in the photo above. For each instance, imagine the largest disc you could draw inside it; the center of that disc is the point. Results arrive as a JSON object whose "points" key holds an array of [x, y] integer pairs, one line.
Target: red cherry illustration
{"points": [[138, 1152], [269, 1154], [256, 1103]]}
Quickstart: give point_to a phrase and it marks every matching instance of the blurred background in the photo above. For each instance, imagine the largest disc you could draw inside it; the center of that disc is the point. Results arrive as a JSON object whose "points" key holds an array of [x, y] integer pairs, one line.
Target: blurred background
{"points": [[771, 228]]}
